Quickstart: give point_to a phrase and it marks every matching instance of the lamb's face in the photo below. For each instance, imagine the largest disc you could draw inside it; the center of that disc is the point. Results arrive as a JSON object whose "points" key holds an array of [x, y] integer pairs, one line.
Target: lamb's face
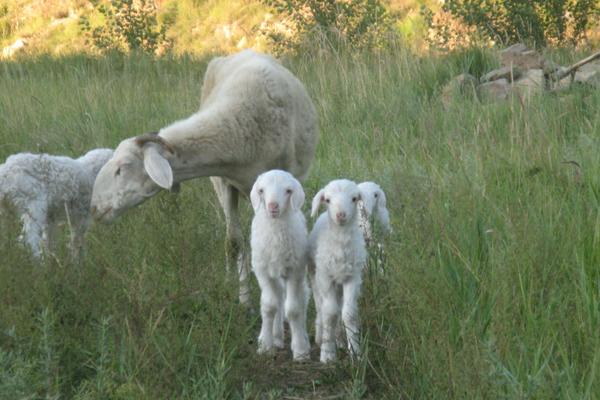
{"points": [[135, 173], [340, 197], [374, 202], [276, 192]]}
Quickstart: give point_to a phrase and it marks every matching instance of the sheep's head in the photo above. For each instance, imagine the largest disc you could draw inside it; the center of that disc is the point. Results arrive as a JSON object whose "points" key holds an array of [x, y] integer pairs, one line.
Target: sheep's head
{"points": [[138, 170], [374, 202], [276, 191], [341, 197]]}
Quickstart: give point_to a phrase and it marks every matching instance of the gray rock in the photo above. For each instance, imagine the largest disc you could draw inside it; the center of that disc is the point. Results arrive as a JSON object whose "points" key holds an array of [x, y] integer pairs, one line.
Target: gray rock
{"points": [[495, 90], [531, 83], [507, 73], [463, 85]]}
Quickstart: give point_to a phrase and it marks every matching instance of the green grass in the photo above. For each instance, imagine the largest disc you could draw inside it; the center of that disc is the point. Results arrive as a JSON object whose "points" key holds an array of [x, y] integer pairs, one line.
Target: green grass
{"points": [[491, 287]]}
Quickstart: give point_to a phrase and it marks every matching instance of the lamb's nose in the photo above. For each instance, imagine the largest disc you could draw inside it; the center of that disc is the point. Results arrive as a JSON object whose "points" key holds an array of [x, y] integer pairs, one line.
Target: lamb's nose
{"points": [[273, 206], [341, 215]]}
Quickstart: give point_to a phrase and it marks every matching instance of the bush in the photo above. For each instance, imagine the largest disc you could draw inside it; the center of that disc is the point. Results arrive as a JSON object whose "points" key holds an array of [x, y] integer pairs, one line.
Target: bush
{"points": [[129, 25], [355, 23], [538, 22]]}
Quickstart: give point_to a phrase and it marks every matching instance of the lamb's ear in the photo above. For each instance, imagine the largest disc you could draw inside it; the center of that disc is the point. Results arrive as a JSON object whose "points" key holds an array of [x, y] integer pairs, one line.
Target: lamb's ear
{"points": [[317, 200], [255, 197], [157, 167], [298, 196], [381, 211]]}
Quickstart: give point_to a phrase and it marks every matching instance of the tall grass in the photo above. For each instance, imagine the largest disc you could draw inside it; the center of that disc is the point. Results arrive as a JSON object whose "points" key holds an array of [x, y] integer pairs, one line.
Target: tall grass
{"points": [[491, 285]]}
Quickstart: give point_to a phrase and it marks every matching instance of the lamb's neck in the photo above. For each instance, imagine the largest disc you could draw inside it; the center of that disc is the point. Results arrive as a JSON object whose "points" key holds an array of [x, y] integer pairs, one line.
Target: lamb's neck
{"points": [[200, 145]]}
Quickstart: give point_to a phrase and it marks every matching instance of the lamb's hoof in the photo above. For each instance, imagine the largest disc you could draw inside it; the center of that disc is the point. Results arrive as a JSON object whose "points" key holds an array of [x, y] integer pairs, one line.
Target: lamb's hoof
{"points": [[265, 350], [278, 343], [302, 357], [327, 356]]}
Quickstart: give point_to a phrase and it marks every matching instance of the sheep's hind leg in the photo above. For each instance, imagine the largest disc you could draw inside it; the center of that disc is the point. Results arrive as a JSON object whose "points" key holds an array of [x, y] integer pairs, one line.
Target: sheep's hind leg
{"points": [[234, 250], [34, 232]]}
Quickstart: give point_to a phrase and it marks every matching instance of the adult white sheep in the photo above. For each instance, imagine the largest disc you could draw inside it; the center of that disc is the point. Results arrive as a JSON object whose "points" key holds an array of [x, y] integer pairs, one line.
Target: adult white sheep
{"points": [[46, 190], [254, 116], [279, 255], [337, 256]]}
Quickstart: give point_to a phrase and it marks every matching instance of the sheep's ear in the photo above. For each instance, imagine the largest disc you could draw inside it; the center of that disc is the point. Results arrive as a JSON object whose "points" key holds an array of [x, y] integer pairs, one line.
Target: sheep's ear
{"points": [[381, 211], [255, 197], [317, 200], [157, 167], [298, 196]]}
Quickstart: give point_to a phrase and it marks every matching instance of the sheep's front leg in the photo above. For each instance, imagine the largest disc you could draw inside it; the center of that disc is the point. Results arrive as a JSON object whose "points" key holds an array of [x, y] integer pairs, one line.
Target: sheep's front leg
{"points": [[318, 302], [234, 249], [329, 318], [295, 311], [350, 314], [79, 227], [269, 302], [278, 323]]}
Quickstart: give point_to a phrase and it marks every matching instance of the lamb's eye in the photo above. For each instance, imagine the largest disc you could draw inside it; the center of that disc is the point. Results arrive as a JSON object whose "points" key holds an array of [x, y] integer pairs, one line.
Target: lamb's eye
{"points": [[260, 191], [327, 201], [118, 171], [376, 195], [354, 199], [289, 191]]}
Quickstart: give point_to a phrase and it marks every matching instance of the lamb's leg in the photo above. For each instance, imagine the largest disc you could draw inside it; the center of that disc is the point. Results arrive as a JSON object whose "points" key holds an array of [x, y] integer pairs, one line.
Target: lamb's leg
{"points": [[278, 323], [295, 311], [268, 309], [35, 231], [339, 328], [330, 310], [234, 248], [79, 227], [350, 315], [318, 302]]}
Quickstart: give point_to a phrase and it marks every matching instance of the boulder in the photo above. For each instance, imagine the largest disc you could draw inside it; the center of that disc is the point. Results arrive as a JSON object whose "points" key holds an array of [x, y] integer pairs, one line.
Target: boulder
{"points": [[508, 73], [589, 74], [519, 56], [530, 83], [494, 90], [463, 85]]}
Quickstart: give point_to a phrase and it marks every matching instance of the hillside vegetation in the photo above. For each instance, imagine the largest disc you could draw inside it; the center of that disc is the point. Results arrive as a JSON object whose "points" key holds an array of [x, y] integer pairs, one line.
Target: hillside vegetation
{"points": [[491, 286], [199, 26]]}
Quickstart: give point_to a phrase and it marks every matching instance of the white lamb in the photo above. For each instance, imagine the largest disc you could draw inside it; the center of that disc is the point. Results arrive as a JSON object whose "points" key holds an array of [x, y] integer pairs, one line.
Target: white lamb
{"points": [[337, 256], [279, 256], [372, 204], [46, 189], [371, 207]]}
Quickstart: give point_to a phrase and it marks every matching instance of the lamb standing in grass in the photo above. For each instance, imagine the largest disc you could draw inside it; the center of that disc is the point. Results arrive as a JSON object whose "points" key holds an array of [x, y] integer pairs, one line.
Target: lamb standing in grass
{"points": [[373, 206], [279, 256], [337, 256], [46, 189]]}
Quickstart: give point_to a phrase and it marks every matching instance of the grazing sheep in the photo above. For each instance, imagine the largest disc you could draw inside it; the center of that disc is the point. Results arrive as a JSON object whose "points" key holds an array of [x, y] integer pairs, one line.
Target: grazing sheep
{"points": [[279, 245], [254, 116], [337, 256], [46, 189], [373, 206]]}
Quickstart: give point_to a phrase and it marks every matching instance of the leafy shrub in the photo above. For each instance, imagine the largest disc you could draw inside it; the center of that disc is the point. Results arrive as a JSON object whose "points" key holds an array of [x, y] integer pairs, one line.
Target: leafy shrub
{"points": [[539, 22], [129, 25], [355, 23]]}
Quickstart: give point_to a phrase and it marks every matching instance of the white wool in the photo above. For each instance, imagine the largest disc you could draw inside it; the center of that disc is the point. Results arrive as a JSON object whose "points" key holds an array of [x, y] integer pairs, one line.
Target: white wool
{"points": [[337, 257], [46, 190], [373, 206], [254, 116], [279, 255]]}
